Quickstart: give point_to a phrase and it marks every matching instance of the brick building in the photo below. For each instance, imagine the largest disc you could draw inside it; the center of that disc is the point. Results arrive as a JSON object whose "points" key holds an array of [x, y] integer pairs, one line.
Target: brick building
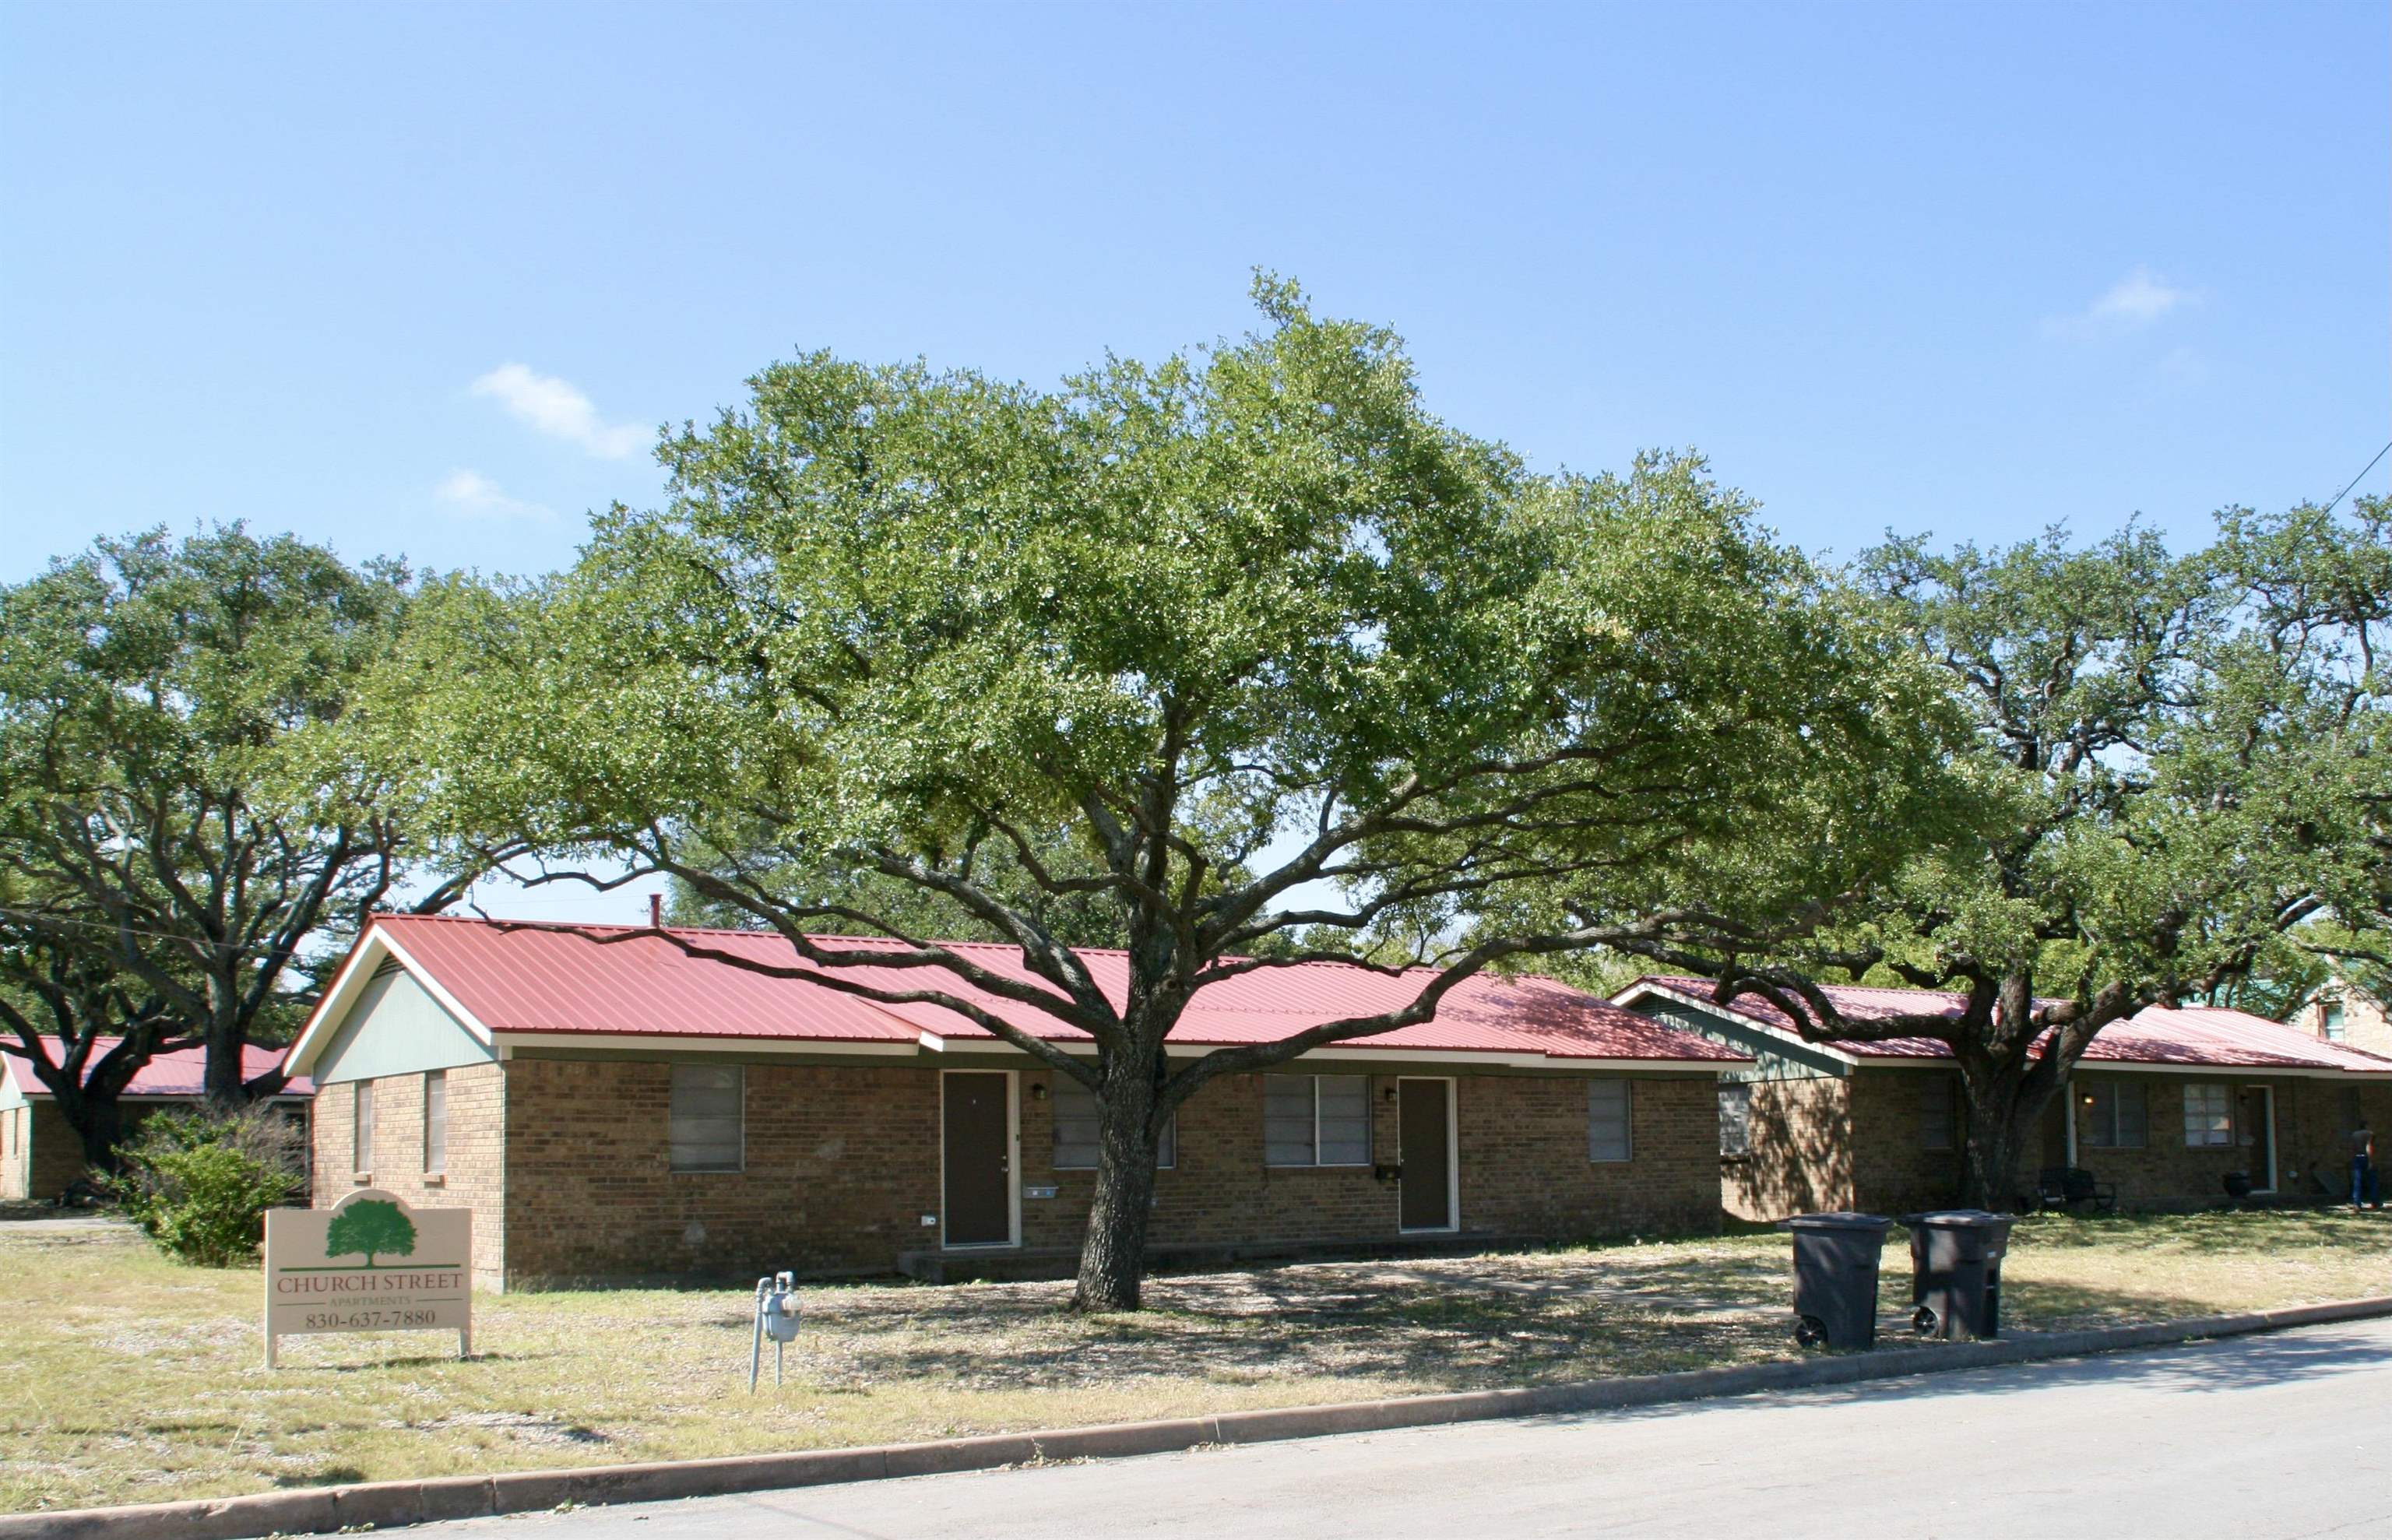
{"points": [[41, 1156], [2344, 1011], [2165, 1105], [617, 1108]]}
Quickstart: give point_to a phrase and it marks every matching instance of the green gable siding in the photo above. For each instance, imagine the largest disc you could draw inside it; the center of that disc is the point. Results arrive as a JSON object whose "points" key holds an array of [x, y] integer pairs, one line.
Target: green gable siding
{"points": [[1778, 1060], [397, 1028]]}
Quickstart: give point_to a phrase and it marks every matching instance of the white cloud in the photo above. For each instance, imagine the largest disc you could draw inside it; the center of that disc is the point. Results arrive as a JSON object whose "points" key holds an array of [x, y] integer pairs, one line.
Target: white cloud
{"points": [[558, 408], [472, 492], [2138, 300]]}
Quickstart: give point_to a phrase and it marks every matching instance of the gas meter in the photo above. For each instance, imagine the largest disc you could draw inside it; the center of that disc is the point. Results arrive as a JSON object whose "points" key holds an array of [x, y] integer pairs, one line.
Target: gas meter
{"points": [[776, 1318]]}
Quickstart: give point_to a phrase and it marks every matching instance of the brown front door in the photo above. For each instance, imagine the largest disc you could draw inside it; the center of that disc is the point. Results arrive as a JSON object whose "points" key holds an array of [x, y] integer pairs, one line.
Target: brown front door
{"points": [[2254, 1129], [978, 1148], [1425, 1145]]}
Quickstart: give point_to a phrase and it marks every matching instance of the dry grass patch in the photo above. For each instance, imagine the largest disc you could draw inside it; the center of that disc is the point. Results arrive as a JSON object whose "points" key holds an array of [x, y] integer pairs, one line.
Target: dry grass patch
{"points": [[134, 1380]]}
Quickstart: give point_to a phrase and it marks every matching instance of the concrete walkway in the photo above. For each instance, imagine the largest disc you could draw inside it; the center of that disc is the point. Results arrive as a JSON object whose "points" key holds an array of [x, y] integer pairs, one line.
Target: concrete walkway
{"points": [[2278, 1435]]}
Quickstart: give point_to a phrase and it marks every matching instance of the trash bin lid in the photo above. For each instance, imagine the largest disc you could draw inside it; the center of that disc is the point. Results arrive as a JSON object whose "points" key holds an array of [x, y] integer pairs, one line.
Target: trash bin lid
{"points": [[1965, 1219], [1836, 1222]]}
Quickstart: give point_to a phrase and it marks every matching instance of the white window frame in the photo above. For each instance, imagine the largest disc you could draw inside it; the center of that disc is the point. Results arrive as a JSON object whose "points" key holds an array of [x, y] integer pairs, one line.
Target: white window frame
{"points": [[1627, 1121], [2221, 1135], [1370, 1125], [2332, 1021], [361, 1127], [1166, 1148], [435, 1135], [740, 1164]]}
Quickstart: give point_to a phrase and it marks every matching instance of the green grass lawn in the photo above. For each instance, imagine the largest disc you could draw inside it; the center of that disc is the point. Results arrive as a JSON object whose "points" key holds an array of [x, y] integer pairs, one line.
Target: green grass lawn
{"points": [[132, 1378]]}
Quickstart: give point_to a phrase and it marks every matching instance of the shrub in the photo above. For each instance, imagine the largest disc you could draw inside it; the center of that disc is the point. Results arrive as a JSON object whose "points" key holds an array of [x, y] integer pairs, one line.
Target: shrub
{"points": [[199, 1183]]}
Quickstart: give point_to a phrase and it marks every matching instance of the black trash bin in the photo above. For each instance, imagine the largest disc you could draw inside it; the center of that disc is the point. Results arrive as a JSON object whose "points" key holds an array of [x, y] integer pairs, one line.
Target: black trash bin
{"points": [[1835, 1278], [1956, 1271]]}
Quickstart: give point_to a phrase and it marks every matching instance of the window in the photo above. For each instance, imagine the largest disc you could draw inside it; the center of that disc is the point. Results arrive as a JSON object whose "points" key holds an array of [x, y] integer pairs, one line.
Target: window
{"points": [[1735, 1118], [2332, 1014], [1075, 1130], [435, 1121], [1939, 1119], [1316, 1120], [708, 1125], [1606, 1119], [361, 1126], [2208, 1116], [2116, 1114]]}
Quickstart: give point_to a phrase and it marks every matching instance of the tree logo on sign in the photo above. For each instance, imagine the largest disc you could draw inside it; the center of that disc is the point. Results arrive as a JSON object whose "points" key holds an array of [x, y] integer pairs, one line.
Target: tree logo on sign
{"points": [[372, 1228]]}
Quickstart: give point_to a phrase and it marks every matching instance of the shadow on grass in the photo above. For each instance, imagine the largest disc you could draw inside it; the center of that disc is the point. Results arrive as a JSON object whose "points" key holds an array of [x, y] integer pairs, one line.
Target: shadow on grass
{"points": [[1457, 1324], [331, 1475]]}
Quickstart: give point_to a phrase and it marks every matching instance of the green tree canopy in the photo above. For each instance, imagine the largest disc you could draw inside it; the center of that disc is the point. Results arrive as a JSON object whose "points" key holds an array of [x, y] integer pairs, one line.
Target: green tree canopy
{"points": [[1236, 659], [184, 814], [2172, 763]]}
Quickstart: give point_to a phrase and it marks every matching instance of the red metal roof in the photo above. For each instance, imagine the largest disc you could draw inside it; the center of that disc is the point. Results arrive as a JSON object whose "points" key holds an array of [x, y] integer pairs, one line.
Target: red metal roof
{"points": [[615, 980], [2193, 1036], [180, 1073]]}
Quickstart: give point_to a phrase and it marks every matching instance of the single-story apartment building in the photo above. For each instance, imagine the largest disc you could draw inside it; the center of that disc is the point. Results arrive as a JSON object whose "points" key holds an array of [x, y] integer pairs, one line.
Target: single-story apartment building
{"points": [[2163, 1106], [41, 1156], [613, 1108]]}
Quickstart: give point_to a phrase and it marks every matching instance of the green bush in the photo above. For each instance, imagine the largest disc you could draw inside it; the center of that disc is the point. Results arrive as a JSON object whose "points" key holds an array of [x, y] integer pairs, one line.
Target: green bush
{"points": [[201, 1184]]}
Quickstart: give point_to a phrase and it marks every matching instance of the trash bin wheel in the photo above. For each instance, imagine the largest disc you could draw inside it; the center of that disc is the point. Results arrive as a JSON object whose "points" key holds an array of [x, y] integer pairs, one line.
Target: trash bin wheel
{"points": [[1810, 1331], [1922, 1320]]}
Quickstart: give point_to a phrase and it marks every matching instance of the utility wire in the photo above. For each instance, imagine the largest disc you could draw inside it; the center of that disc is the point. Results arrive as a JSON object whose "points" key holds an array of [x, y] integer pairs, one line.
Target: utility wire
{"points": [[2361, 477]]}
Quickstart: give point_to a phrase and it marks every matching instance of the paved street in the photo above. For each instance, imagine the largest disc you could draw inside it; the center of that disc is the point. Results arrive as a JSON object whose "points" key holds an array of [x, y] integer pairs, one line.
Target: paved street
{"points": [[2288, 1434]]}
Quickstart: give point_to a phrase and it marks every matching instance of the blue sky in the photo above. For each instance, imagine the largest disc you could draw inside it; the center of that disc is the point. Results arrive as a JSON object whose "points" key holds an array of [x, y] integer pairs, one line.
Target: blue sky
{"points": [[424, 278]]}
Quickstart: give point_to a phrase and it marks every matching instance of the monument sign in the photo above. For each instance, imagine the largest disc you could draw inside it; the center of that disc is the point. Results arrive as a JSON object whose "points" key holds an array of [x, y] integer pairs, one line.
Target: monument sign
{"points": [[368, 1263]]}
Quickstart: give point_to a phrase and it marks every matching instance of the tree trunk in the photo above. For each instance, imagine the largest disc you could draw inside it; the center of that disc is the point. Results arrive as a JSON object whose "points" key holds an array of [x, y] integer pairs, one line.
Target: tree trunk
{"points": [[1112, 1256], [2006, 1102], [221, 1077], [98, 1123]]}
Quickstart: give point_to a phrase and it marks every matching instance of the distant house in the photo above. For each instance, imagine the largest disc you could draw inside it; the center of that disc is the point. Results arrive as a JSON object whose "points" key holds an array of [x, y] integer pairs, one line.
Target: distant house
{"points": [[615, 1108], [2344, 1011], [41, 1156], [2164, 1104]]}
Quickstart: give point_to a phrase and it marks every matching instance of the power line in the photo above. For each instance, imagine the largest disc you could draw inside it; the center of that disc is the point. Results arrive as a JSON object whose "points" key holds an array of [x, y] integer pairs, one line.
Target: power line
{"points": [[2361, 477]]}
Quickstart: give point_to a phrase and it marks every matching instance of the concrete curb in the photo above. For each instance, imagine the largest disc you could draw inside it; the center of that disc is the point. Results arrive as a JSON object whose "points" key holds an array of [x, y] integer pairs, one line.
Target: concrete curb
{"points": [[390, 1505]]}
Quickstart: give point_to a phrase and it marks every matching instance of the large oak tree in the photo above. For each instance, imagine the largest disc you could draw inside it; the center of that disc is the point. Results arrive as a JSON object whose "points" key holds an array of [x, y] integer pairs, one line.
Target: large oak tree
{"points": [[1239, 658], [185, 820], [2177, 779]]}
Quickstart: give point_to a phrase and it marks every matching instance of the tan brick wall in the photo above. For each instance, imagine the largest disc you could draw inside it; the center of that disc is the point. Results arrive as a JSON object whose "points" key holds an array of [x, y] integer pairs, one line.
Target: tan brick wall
{"points": [[841, 1165], [1220, 1190], [39, 1154], [1524, 1158], [843, 1162], [1894, 1170], [476, 1177], [55, 1153], [1802, 1152], [2312, 1139], [1524, 1168], [16, 1137]]}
